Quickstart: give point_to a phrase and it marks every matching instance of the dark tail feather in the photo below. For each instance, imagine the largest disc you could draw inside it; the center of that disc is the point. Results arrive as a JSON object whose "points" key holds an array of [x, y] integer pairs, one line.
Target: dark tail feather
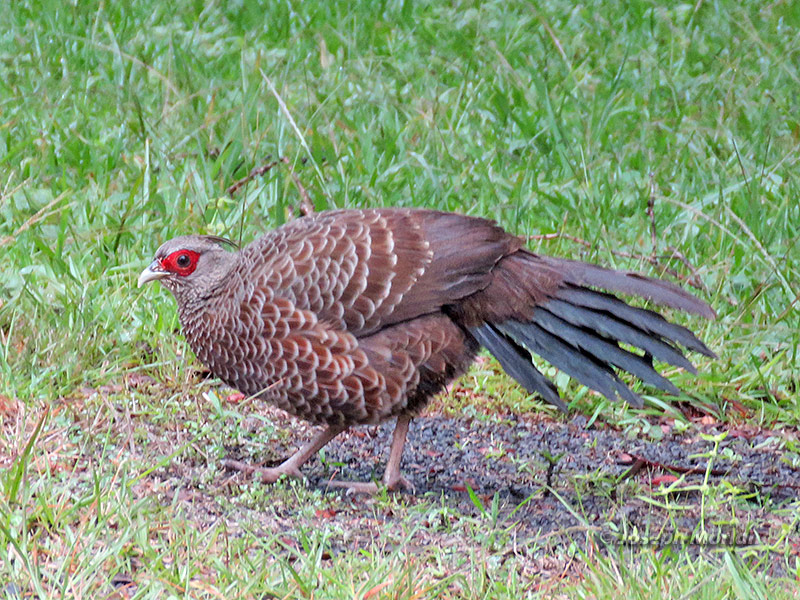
{"points": [[516, 361], [603, 350], [643, 319], [591, 372], [661, 292], [612, 328], [555, 313], [579, 332]]}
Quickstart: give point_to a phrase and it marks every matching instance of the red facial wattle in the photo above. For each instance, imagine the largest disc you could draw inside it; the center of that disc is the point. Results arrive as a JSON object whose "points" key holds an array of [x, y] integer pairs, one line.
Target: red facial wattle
{"points": [[181, 262]]}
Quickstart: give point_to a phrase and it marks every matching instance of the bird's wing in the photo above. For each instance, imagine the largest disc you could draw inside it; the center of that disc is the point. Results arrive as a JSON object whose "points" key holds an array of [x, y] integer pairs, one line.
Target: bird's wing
{"points": [[364, 270]]}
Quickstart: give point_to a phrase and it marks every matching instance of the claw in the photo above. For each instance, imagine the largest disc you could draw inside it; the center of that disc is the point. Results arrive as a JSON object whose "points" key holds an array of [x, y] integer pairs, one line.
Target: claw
{"points": [[371, 488]]}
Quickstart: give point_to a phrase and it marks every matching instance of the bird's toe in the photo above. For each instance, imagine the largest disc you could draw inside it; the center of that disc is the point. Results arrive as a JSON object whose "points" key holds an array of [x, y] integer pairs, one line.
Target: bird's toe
{"points": [[265, 474], [396, 484]]}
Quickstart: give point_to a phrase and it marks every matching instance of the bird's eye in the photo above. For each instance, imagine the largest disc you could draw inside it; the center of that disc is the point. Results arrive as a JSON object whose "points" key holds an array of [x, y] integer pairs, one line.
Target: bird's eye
{"points": [[182, 262]]}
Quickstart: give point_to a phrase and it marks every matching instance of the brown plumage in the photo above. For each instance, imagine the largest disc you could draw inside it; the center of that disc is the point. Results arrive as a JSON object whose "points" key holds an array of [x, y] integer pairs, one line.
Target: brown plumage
{"points": [[353, 317]]}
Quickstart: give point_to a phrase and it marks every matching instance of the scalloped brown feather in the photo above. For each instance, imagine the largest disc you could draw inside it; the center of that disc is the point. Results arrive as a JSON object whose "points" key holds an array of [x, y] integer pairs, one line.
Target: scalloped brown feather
{"points": [[350, 317]]}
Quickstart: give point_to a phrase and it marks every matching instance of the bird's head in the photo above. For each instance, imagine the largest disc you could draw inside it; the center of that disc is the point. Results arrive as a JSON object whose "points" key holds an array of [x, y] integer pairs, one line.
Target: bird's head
{"points": [[190, 266]]}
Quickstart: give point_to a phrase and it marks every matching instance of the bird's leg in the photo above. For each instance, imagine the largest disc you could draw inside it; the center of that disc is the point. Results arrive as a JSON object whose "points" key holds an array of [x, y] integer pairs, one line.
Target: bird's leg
{"points": [[392, 479], [291, 466]]}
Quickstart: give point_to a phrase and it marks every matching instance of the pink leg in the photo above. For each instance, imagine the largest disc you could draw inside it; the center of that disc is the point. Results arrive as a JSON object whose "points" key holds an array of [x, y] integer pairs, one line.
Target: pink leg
{"points": [[392, 479], [291, 466]]}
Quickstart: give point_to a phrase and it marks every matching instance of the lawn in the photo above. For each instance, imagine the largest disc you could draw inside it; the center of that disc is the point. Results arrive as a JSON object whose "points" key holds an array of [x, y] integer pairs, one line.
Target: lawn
{"points": [[657, 137]]}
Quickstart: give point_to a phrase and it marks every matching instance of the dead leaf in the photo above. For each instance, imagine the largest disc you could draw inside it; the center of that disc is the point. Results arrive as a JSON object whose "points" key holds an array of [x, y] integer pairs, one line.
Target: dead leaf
{"points": [[376, 589], [663, 479]]}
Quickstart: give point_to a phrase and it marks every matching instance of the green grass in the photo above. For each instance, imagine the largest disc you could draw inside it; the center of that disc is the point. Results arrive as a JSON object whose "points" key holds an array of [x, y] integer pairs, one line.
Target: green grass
{"points": [[122, 124]]}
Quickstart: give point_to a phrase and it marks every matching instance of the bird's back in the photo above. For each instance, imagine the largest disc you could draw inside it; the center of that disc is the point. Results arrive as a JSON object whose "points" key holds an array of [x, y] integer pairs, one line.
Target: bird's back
{"points": [[363, 270]]}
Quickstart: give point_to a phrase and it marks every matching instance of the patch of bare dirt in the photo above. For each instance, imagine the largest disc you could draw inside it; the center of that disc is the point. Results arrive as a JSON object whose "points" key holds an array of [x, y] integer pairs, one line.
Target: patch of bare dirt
{"points": [[553, 483]]}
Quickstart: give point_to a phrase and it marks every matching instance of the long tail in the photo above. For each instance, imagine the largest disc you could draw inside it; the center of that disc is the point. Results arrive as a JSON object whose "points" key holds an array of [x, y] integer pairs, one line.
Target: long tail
{"points": [[579, 329]]}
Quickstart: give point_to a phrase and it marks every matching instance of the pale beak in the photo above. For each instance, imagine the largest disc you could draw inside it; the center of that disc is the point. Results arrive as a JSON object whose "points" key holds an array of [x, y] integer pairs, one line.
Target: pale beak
{"points": [[153, 272]]}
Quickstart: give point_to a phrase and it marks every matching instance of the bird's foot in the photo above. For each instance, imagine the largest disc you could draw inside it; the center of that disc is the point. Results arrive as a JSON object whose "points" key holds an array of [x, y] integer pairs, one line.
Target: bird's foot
{"points": [[266, 474], [372, 488]]}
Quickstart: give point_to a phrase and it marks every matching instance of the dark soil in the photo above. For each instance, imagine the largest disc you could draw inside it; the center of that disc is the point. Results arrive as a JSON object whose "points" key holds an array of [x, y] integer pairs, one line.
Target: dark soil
{"points": [[563, 482], [510, 457]]}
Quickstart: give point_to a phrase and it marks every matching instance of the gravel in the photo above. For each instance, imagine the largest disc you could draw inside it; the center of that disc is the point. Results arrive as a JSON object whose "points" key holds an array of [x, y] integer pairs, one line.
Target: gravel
{"points": [[444, 455]]}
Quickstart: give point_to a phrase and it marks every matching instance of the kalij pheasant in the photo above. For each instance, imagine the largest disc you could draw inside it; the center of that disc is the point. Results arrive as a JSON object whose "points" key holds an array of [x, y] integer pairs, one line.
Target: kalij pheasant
{"points": [[353, 317]]}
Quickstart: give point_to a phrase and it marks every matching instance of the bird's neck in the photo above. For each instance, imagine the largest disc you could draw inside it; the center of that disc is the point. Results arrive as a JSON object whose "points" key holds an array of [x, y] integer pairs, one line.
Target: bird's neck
{"points": [[202, 323]]}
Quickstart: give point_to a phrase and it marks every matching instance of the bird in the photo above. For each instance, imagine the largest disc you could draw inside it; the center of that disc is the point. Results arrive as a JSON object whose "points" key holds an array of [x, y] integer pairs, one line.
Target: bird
{"points": [[352, 317]]}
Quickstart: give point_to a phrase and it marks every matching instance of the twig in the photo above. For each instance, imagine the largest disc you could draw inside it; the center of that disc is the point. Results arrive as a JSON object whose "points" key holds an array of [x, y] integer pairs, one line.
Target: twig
{"points": [[697, 282], [35, 218], [306, 206], [640, 462], [256, 172], [651, 212], [559, 236]]}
